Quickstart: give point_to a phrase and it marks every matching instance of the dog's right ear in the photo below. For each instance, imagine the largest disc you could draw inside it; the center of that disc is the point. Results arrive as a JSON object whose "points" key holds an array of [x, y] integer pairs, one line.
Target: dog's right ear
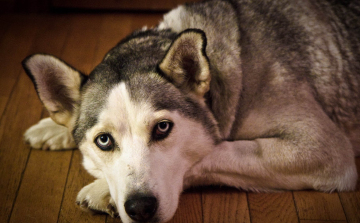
{"points": [[57, 84], [186, 64]]}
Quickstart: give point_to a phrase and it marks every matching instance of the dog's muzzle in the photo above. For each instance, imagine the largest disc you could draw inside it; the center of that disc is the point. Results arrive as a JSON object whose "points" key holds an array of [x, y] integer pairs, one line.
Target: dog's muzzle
{"points": [[141, 208]]}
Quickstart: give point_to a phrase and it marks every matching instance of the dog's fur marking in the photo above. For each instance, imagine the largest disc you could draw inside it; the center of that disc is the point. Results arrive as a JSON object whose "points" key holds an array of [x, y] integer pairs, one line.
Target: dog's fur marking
{"points": [[136, 153]]}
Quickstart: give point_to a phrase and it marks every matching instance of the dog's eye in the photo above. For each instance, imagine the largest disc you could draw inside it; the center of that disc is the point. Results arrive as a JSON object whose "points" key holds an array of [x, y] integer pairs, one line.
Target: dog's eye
{"points": [[162, 130], [104, 142]]}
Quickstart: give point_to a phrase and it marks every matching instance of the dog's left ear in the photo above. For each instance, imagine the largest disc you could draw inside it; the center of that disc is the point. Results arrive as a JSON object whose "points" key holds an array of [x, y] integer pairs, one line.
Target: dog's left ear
{"points": [[57, 84], [186, 64]]}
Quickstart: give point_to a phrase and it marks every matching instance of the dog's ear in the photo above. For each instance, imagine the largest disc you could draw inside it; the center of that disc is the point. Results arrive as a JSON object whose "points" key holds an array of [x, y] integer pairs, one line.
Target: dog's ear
{"points": [[186, 64], [57, 84]]}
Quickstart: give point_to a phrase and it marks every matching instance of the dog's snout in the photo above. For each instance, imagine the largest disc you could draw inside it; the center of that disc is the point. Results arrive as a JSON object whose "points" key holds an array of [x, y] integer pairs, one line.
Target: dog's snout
{"points": [[141, 208]]}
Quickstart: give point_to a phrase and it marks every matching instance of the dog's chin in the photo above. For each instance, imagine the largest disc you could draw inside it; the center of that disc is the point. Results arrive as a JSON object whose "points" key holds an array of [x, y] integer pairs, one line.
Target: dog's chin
{"points": [[167, 212]]}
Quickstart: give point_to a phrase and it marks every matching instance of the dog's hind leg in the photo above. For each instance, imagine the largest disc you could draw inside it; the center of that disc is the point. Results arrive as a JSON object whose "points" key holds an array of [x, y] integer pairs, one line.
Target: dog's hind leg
{"points": [[245, 164], [95, 198], [48, 135], [304, 151]]}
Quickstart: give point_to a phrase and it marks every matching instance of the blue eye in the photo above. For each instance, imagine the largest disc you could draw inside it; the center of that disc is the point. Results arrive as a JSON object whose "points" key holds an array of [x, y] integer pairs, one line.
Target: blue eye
{"points": [[105, 142], [162, 130]]}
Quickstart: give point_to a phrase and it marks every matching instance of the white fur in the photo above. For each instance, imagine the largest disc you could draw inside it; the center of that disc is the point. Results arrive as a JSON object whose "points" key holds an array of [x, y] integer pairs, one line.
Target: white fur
{"points": [[96, 197], [173, 19], [48, 135], [159, 167]]}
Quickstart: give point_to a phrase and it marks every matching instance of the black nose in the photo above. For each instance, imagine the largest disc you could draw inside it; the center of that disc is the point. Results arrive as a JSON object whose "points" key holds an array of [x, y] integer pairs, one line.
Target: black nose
{"points": [[141, 208]]}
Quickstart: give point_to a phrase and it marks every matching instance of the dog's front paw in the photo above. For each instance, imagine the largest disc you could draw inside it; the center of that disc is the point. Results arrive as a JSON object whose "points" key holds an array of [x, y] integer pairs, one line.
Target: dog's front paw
{"points": [[48, 135], [96, 198]]}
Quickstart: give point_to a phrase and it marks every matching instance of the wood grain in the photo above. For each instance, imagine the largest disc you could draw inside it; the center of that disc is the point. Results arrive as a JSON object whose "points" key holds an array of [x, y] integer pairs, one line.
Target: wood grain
{"points": [[272, 207], [189, 209], [113, 29], [34, 192], [148, 19], [318, 221], [226, 205], [13, 49], [313, 205], [42, 186], [23, 110], [4, 27], [113, 4]]}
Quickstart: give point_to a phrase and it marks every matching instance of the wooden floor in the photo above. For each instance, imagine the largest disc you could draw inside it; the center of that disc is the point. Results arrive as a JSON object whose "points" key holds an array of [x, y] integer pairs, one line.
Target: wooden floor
{"points": [[41, 186]]}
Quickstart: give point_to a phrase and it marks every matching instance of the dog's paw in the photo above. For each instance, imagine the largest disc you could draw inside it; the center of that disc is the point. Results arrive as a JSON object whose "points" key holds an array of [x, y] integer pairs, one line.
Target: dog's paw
{"points": [[96, 198], [48, 135]]}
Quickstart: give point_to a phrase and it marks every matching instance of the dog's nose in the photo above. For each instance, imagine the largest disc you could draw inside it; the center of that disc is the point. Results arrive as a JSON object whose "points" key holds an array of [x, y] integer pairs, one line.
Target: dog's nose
{"points": [[141, 208]]}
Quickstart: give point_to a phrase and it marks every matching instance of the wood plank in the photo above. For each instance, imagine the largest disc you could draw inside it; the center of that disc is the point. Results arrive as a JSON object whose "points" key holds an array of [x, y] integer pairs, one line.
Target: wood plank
{"points": [[314, 205], [43, 185], [13, 49], [79, 52], [147, 19], [351, 200], [225, 205], [272, 207], [114, 28], [189, 209], [317, 221], [53, 37], [114, 4], [84, 37], [4, 24], [24, 109]]}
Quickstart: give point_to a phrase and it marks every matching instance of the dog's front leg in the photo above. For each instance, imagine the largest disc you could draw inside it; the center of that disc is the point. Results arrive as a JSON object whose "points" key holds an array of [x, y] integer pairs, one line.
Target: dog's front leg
{"points": [[95, 197], [48, 135], [269, 164]]}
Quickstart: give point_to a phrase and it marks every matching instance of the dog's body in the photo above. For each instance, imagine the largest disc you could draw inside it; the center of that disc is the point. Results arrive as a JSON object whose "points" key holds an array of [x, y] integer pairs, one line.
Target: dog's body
{"points": [[260, 95]]}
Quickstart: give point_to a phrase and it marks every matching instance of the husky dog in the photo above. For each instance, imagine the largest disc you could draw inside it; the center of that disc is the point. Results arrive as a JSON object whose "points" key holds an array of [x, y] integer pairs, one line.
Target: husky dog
{"points": [[257, 94]]}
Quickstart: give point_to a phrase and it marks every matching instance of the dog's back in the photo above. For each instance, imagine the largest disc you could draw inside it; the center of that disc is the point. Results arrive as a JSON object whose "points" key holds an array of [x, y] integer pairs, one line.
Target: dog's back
{"points": [[305, 41], [316, 42]]}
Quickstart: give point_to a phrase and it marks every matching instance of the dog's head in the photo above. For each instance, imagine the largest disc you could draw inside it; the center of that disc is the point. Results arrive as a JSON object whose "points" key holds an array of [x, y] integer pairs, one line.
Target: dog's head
{"points": [[140, 118]]}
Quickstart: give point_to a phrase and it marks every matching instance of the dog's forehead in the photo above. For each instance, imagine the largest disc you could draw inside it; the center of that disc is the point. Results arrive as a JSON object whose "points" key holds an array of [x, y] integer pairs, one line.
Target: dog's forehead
{"points": [[122, 97], [140, 52], [123, 115], [144, 90]]}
